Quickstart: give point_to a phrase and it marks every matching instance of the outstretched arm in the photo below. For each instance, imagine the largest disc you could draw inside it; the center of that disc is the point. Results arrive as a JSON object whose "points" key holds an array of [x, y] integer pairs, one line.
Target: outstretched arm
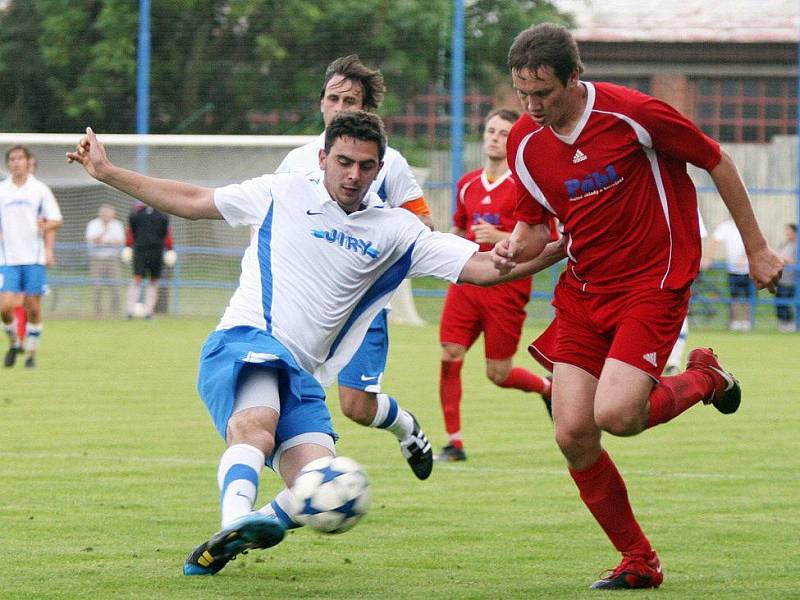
{"points": [[480, 268], [173, 197], [765, 265]]}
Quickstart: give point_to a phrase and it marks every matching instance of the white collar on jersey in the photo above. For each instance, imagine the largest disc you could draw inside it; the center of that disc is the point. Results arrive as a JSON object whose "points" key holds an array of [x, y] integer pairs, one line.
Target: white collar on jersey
{"points": [[370, 200], [587, 111]]}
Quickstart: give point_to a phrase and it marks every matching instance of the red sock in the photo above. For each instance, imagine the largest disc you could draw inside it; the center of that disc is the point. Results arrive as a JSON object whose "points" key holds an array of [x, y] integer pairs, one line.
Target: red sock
{"points": [[676, 394], [450, 397], [522, 379], [603, 492], [19, 312]]}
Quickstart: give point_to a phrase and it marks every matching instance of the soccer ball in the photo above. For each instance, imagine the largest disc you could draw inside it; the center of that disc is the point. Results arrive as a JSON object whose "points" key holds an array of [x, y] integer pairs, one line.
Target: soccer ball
{"points": [[139, 310], [331, 494]]}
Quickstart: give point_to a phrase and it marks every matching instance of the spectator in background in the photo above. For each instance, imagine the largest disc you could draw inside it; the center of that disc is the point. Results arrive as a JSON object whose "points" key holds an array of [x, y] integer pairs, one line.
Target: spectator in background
{"points": [[105, 236], [484, 214], [149, 235], [30, 216], [738, 269], [786, 286]]}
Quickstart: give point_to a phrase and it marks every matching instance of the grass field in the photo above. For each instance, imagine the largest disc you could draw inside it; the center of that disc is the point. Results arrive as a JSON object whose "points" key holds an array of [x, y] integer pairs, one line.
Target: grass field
{"points": [[108, 469]]}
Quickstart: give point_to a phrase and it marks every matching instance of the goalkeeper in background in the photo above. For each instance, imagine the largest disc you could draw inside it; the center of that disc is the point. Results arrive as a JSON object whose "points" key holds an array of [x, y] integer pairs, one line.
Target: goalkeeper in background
{"points": [[351, 85], [149, 235]]}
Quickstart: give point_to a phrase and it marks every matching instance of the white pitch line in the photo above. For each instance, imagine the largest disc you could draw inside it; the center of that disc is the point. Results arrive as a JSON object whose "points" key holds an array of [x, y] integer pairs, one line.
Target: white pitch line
{"points": [[465, 468]]}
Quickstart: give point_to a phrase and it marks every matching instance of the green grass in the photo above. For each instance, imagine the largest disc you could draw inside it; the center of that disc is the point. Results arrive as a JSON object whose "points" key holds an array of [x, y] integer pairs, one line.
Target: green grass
{"points": [[108, 469]]}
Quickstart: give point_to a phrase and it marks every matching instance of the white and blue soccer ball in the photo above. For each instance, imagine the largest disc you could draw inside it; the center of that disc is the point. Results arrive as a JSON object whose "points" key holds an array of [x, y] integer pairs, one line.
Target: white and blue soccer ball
{"points": [[331, 494]]}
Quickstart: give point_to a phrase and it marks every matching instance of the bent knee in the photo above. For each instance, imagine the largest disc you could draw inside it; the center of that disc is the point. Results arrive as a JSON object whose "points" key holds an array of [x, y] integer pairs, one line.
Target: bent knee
{"points": [[620, 422]]}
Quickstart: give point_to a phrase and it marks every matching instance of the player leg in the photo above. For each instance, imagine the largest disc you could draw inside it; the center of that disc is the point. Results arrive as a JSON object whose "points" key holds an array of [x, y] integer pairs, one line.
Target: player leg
{"points": [[581, 410], [155, 265], [251, 431], [450, 399], [459, 327], [305, 433], [34, 282], [361, 399], [10, 287], [503, 316]]}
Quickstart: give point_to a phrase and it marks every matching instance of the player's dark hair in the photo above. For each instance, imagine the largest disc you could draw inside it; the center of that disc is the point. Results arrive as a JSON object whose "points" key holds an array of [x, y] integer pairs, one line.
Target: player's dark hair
{"points": [[15, 147], [357, 124], [350, 67], [792, 226], [506, 114], [546, 44]]}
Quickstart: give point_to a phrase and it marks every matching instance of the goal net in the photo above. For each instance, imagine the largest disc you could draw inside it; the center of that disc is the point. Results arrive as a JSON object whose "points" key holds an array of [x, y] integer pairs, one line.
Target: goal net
{"points": [[209, 252]]}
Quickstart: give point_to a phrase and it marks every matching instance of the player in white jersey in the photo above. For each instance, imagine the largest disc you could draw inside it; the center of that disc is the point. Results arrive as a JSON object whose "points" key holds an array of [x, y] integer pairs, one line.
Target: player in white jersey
{"points": [[322, 261], [29, 214], [350, 85]]}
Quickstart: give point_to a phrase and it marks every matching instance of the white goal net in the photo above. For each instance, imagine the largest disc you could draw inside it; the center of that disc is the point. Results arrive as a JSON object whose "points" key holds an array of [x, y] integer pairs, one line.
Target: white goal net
{"points": [[209, 253]]}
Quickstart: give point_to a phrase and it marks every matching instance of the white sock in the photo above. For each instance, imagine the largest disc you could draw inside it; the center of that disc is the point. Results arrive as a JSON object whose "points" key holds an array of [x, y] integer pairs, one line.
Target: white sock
{"points": [[391, 417], [11, 332], [134, 291], [239, 470], [281, 509], [32, 335], [150, 295]]}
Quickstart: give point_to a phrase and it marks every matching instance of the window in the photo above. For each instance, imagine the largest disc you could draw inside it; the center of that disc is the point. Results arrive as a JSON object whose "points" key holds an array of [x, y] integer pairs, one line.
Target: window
{"points": [[745, 110]]}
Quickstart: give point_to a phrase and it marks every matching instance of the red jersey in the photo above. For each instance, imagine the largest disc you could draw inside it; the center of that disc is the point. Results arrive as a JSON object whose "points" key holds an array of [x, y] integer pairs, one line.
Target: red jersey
{"points": [[478, 199], [619, 186]]}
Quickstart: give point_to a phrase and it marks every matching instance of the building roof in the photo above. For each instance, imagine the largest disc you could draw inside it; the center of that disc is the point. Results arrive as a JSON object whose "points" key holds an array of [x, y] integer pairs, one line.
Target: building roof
{"points": [[684, 20]]}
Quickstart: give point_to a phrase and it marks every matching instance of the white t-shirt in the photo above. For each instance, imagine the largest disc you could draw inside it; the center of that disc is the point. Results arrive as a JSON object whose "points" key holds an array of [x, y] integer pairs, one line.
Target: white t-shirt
{"points": [[315, 277], [111, 234], [735, 256], [20, 211], [395, 183]]}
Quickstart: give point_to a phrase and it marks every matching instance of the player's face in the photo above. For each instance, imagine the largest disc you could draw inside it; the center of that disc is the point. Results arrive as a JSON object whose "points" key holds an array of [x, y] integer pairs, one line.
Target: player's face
{"points": [[544, 97], [495, 136], [18, 163], [350, 168], [340, 94]]}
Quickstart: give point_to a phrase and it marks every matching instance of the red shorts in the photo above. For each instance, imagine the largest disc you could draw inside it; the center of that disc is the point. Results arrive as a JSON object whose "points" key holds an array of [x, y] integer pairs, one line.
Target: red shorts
{"points": [[498, 311], [638, 328]]}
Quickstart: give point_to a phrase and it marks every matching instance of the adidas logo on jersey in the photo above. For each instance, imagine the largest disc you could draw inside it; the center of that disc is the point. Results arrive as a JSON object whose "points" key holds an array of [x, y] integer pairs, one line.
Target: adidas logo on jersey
{"points": [[579, 157], [651, 358], [487, 200]]}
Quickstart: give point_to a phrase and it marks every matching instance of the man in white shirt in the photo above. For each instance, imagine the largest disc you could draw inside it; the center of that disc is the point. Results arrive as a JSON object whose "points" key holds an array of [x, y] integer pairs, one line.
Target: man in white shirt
{"points": [[738, 269], [105, 236], [323, 259], [29, 214], [351, 85]]}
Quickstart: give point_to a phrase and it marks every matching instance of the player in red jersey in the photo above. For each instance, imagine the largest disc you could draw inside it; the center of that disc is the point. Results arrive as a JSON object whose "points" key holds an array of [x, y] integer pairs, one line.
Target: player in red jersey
{"points": [[484, 214], [610, 164]]}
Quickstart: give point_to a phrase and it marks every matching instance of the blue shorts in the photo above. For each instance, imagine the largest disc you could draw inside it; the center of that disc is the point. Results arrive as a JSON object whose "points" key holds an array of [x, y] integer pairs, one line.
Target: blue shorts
{"points": [[365, 369], [740, 286], [226, 352], [30, 280]]}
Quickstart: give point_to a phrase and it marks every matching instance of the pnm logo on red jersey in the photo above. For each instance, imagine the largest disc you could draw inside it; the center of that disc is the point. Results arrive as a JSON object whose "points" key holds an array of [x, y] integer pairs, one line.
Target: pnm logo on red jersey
{"points": [[593, 183]]}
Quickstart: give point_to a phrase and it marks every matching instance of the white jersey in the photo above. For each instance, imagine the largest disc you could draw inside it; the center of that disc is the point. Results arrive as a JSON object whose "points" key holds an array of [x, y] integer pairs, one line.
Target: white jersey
{"points": [[111, 237], [395, 183], [20, 211], [315, 277], [735, 255]]}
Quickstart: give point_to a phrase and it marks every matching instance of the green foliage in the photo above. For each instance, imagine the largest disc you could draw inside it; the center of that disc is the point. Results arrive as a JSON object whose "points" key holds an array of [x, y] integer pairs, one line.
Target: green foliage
{"points": [[69, 63], [108, 462]]}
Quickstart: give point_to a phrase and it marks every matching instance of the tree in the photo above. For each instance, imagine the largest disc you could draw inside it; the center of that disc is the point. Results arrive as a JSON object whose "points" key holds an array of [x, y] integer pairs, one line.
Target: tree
{"points": [[68, 63]]}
